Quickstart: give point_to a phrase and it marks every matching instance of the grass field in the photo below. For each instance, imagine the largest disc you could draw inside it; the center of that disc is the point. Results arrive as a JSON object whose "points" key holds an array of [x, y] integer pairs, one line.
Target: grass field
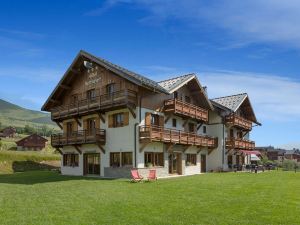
{"points": [[227, 198]]}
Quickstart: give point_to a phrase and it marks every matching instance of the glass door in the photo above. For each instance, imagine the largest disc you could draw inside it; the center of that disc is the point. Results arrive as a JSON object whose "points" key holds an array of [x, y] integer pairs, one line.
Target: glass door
{"points": [[92, 164]]}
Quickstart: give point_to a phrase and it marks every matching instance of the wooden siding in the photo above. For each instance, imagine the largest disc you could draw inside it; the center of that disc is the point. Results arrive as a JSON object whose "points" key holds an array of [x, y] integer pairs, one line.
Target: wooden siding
{"points": [[160, 134]]}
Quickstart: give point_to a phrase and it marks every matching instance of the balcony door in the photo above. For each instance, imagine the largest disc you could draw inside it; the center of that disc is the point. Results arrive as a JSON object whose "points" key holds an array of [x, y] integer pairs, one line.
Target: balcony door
{"points": [[91, 126], [175, 163], [91, 164]]}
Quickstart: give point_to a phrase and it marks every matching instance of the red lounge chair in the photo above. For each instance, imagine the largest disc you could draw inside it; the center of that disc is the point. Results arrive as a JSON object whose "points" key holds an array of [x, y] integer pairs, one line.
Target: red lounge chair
{"points": [[152, 175], [135, 176]]}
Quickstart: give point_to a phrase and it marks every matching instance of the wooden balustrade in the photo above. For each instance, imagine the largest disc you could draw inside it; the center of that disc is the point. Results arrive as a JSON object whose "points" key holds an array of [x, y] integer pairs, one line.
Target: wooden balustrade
{"points": [[238, 121], [156, 133], [185, 109], [235, 143], [79, 137], [123, 98]]}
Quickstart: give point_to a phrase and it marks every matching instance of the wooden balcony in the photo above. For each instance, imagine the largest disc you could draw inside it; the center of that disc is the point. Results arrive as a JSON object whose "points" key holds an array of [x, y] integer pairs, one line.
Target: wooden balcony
{"points": [[97, 136], [100, 103], [155, 133], [234, 143], [239, 122], [185, 109]]}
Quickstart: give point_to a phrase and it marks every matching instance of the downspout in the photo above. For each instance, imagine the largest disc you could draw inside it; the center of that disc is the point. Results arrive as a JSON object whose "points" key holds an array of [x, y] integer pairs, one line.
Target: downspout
{"points": [[135, 132]]}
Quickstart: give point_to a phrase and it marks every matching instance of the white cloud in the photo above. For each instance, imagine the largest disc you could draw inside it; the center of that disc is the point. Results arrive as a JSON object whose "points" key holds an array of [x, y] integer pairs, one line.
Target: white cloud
{"points": [[274, 98], [247, 21]]}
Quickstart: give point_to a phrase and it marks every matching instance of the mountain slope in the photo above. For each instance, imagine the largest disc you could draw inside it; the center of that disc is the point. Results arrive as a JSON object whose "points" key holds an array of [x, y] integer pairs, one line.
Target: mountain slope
{"points": [[14, 115]]}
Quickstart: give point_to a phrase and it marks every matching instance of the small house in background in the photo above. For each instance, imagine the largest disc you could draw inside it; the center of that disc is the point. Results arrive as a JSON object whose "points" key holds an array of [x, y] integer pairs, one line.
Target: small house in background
{"points": [[293, 155], [32, 142], [8, 132]]}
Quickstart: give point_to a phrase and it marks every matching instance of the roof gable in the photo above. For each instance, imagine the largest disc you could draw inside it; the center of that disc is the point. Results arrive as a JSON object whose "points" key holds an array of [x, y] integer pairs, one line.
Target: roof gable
{"points": [[235, 102], [173, 84], [118, 70]]}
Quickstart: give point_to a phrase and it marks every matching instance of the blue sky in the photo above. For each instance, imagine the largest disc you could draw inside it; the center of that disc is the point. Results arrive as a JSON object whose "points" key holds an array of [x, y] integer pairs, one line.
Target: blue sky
{"points": [[234, 46]]}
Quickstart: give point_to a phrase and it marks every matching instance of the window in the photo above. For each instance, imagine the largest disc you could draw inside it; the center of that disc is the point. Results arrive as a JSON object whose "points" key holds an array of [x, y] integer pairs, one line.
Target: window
{"points": [[175, 95], [240, 135], [71, 160], [187, 99], [191, 127], [204, 130], [118, 119], [154, 159], [174, 122], [110, 89], [191, 159], [91, 94], [126, 158], [115, 159], [155, 119]]}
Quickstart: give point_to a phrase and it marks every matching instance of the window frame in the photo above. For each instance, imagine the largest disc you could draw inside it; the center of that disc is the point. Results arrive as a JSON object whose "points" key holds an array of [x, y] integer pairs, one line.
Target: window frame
{"points": [[70, 160], [174, 122], [191, 159], [155, 158], [120, 159], [116, 117]]}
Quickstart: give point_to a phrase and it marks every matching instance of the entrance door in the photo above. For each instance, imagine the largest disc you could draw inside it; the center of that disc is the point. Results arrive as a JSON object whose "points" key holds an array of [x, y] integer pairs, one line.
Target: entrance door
{"points": [[203, 163], [175, 163], [92, 164]]}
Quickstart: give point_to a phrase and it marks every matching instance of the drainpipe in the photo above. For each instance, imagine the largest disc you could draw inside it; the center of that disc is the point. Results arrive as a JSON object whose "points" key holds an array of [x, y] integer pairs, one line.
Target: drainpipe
{"points": [[135, 132]]}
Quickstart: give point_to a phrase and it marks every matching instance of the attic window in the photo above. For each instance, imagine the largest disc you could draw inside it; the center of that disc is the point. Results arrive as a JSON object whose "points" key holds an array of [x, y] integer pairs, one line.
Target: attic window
{"points": [[175, 95]]}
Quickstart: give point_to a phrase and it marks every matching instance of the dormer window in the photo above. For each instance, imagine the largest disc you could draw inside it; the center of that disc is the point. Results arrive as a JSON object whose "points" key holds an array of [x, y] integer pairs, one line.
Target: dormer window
{"points": [[91, 94], [175, 95]]}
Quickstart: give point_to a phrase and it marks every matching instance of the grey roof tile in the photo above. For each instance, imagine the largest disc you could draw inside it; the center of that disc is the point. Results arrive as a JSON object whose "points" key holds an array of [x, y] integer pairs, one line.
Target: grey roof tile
{"points": [[173, 83], [232, 102]]}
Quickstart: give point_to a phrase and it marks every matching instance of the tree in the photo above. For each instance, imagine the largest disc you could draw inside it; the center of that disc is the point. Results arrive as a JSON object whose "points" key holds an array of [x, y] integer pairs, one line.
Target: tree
{"points": [[29, 130]]}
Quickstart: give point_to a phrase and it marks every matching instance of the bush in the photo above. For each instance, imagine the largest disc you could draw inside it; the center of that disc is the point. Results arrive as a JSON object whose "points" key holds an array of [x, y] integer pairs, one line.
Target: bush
{"points": [[289, 165]]}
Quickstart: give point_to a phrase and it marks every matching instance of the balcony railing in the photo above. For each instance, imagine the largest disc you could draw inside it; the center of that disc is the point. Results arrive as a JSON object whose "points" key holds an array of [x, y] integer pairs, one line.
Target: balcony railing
{"points": [[238, 121], [104, 102], [185, 109], [235, 143], [160, 134], [79, 137]]}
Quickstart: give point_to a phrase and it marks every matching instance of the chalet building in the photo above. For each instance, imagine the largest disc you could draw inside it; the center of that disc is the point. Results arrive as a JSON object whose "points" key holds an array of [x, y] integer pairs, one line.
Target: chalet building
{"points": [[32, 142], [8, 132], [232, 121], [113, 120]]}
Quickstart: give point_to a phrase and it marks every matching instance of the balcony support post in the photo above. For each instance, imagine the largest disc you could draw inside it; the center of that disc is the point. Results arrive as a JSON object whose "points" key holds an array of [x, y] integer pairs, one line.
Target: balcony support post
{"points": [[169, 147], [59, 125], [77, 149], [60, 152], [101, 117], [199, 126], [101, 148], [131, 111], [77, 121]]}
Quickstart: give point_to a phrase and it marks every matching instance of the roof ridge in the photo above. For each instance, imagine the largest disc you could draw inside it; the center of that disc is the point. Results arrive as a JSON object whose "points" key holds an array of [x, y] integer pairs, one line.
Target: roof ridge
{"points": [[230, 96], [185, 75]]}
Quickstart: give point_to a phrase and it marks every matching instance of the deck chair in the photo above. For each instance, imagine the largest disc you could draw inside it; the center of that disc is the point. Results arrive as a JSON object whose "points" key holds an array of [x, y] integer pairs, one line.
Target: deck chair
{"points": [[152, 175], [135, 176]]}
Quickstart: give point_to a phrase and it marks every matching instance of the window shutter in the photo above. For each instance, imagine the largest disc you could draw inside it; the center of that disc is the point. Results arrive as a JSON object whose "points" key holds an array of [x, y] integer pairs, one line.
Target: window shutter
{"points": [[110, 121], [148, 119], [97, 121], [161, 121], [126, 118]]}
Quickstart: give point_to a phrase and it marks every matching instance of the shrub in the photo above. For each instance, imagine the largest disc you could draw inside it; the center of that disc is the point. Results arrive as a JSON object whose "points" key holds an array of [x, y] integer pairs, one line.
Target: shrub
{"points": [[289, 165]]}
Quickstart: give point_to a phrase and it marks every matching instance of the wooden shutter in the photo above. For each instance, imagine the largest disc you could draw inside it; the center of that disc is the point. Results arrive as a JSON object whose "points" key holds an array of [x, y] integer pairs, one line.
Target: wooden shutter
{"points": [[126, 118], [110, 121], [97, 121], [161, 121], [148, 119]]}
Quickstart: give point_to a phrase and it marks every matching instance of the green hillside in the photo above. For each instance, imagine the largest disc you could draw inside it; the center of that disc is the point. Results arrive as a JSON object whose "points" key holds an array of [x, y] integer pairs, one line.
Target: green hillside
{"points": [[13, 115]]}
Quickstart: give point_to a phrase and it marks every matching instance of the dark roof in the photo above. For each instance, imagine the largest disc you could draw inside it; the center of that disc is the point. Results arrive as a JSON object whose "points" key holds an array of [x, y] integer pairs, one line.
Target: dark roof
{"points": [[232, 102], [174, 83], [32, 135]]}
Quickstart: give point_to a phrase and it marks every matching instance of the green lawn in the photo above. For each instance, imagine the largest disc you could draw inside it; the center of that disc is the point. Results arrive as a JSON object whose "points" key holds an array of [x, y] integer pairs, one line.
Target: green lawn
{"points": [[43, 197]]}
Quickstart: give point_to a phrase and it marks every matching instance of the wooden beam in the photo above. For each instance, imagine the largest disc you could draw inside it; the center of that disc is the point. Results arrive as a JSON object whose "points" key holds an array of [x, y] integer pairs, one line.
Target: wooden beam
{"points": [[78, 149], [58, 149], [186, 148], [142, 147], [199, 151], [77, 121], [132, 112], [199, 126], [101, 148], [169, 147], [66, 87], [210, 151], [54, 101], [59, 125], [185, 122], [167, 119], [101, 117]]}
